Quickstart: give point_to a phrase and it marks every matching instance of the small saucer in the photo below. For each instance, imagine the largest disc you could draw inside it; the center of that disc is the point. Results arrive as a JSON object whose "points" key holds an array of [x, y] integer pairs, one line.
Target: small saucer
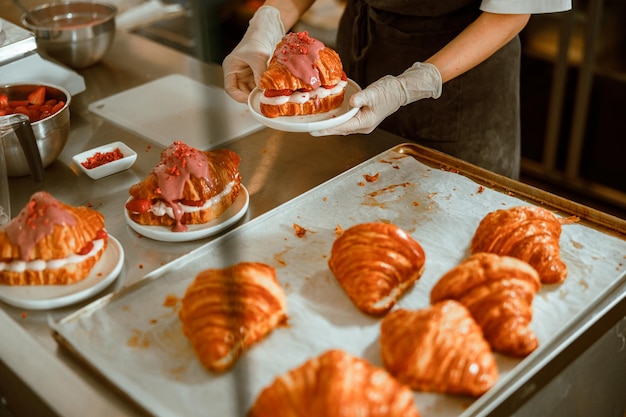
{"points": [[109, 168]]}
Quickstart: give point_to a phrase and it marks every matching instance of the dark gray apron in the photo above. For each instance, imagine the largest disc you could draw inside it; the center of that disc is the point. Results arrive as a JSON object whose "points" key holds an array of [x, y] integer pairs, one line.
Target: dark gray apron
{"points": [[477, 116]]}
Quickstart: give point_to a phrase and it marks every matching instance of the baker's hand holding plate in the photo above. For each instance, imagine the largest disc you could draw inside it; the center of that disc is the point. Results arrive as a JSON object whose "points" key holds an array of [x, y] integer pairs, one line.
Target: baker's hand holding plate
{"points": [[245, 64], [385, 96]]}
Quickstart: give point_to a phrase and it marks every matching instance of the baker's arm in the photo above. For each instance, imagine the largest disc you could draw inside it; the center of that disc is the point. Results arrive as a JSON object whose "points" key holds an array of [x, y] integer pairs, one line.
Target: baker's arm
{"points": [[481, 39], [488, 33]]}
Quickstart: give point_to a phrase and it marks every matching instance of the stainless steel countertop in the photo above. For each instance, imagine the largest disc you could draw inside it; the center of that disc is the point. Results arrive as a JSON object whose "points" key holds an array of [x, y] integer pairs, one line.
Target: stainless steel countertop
{"points": [[39, 378]]}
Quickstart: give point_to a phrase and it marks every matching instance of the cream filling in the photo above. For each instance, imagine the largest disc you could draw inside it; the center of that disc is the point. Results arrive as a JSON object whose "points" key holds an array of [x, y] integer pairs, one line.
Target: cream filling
{"points": [[301, 97], [161, 208], [20, 266]]}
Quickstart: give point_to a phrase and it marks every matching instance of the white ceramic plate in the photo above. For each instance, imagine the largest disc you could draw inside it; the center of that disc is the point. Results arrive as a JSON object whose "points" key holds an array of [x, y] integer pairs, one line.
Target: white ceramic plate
{"points": [[40, 297], [109, 168], [195, 231], [307, 123]]}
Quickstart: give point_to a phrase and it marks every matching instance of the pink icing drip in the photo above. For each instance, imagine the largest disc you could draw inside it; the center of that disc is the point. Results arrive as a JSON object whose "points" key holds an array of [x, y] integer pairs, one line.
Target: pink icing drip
{"points": [[178, 163], [299, 54], [35, 221]]}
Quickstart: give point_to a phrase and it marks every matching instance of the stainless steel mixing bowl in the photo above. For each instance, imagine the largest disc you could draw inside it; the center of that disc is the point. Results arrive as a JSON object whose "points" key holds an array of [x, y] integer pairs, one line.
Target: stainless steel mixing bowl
{"points": [[76, 33], [50, 133]]}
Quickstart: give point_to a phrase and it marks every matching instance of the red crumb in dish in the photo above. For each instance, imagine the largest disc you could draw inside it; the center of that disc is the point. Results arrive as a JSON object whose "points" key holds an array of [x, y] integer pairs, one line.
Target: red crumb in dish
{"points": [[101, 158]]}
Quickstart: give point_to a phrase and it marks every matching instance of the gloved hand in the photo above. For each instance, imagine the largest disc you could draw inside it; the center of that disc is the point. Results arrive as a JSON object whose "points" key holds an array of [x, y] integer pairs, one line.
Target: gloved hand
{"points": [[245, 64], [385, 96]]}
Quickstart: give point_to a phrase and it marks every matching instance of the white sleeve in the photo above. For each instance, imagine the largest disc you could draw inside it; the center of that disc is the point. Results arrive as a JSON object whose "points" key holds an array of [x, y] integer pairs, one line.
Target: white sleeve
{"points": [[526, 6]]}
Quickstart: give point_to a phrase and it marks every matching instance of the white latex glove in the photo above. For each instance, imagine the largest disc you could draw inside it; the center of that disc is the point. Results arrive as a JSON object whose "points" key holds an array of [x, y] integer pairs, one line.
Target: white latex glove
{"points": [[385, 96], [245, 64]]}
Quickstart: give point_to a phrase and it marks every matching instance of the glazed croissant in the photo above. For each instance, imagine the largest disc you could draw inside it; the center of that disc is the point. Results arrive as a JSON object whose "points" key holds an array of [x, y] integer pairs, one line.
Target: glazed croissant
{"points": [[303, 77], [438, 349], [327, 63], [498, 291], [60, 241], [528, 233], [335, 384], [224, 311], [188, 186], [376, 263]]}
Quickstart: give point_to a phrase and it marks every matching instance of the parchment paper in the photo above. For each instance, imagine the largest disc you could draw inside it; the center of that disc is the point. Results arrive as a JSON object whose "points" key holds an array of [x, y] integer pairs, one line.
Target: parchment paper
{"points": [[134, 337]]}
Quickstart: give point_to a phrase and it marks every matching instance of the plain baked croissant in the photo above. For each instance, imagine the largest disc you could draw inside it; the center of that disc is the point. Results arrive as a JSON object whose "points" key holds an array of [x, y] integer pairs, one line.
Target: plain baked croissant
{"points": [[224, 311], [498, 291], [438, 349], [335, 384], [528, 233], [376, 263]]}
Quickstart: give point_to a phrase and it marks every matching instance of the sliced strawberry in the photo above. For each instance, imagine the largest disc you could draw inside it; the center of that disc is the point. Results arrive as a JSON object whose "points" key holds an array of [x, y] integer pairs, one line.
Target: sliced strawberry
{"points": [[138, 205], [101, 234], [57, 107], [4, 100], [16, 103], [277, 93], [88, 247], [38, 96]]}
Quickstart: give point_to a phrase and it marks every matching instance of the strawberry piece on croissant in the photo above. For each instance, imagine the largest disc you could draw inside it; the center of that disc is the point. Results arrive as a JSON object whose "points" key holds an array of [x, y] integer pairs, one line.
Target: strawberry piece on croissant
{"points": [[498, 291]]}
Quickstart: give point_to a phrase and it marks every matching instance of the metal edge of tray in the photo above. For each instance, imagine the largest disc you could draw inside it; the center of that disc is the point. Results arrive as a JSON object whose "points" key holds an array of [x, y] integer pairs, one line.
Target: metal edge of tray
{"points": [[522, 386], [573, 341], [609, 223]]}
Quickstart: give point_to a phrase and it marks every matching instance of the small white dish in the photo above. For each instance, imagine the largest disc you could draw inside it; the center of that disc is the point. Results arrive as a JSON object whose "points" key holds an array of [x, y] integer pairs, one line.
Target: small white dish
{"points": [[109, 168], [307, 123], [195, 231], [40, 297]]}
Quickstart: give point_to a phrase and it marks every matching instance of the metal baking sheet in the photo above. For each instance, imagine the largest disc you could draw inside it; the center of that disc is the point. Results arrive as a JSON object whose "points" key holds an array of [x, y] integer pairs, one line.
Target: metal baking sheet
{"points": [[134, 338]]}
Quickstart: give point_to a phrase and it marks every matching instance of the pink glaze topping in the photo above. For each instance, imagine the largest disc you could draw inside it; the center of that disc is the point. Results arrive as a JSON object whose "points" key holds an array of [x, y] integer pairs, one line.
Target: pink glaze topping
{"points": [[299, 53], [36, 220], [178, 163]]}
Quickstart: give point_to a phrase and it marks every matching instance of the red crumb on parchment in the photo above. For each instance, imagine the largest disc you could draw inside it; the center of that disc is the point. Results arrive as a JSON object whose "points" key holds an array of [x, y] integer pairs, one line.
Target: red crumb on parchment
{"points": [[300, 231], [171, 300], [371, 178]]}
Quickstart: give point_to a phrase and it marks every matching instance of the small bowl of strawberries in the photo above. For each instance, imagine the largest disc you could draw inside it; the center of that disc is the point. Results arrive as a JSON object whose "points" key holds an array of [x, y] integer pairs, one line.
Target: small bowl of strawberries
{"points": [[47, 108]]}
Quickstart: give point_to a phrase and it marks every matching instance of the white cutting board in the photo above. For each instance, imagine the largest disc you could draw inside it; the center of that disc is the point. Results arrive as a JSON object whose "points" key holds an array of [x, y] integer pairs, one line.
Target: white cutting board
{"points": [[176, 107]]}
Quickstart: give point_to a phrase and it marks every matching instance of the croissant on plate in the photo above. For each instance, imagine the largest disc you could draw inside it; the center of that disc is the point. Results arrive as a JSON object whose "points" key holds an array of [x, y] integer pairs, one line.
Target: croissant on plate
{"points": [[438, 349], [376, 263], [528, 233], [303, 77], [335, 384], [187, 186], [498, 291], [224, 311], [51, 243]]}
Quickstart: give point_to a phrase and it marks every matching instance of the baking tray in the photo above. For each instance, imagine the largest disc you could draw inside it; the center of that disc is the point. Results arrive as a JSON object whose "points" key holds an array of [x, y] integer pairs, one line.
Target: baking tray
{"points": [[133, 337]]}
